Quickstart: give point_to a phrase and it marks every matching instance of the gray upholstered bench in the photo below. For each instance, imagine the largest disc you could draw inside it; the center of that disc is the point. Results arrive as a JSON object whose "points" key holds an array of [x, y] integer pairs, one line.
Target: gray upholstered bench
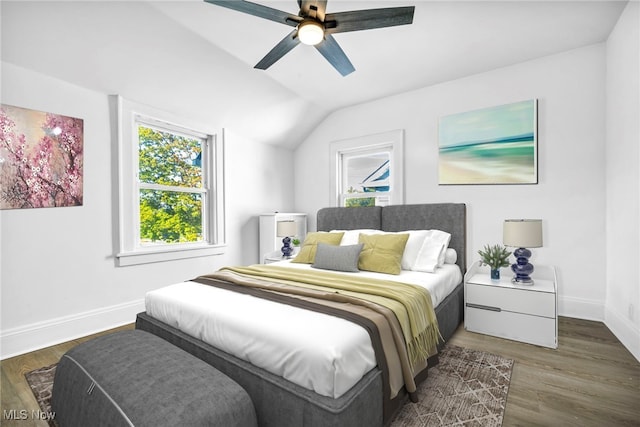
{"points": [[136, 378]]}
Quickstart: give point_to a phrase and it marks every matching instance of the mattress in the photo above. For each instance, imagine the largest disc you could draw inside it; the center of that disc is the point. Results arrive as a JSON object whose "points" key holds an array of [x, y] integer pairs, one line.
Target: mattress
{"points": [[319, 352]]}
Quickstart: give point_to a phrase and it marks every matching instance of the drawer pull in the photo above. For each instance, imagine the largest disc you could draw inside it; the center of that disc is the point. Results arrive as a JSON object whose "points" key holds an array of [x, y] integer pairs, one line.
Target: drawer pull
{"points": [[483, 307]]}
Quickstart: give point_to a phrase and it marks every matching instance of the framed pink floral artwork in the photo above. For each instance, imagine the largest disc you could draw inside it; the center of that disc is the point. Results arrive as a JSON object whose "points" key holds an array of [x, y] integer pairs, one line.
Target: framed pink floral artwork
{"points": [[41, 159]]}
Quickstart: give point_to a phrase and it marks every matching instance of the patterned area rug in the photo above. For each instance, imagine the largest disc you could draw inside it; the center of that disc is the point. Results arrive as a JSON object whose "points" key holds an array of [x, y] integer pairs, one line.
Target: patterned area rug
{"points": [[467, 388], [41, 383]]}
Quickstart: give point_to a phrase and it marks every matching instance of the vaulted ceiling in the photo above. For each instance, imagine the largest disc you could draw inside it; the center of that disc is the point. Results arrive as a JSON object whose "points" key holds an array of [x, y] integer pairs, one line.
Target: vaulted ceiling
{"points": [[191, 57]]}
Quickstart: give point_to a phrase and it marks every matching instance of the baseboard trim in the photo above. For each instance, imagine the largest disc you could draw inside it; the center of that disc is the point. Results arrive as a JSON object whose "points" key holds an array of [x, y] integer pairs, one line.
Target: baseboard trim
{"points": [[40, 335], [580, 308], [624, 330], [36, 336]]}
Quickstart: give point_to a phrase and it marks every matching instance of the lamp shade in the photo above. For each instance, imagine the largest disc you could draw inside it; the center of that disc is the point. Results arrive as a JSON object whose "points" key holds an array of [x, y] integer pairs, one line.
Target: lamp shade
{"points": [[286, 228], [522, 233]]}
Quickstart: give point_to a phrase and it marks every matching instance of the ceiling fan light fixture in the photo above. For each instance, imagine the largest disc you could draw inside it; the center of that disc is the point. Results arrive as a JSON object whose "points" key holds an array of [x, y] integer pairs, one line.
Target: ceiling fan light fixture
{"points": [[313, 26], [310, 32]]}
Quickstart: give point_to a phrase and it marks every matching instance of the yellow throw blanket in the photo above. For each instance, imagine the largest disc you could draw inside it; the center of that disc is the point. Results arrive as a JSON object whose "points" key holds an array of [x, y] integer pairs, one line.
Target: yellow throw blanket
{"points": [[410, 303]]}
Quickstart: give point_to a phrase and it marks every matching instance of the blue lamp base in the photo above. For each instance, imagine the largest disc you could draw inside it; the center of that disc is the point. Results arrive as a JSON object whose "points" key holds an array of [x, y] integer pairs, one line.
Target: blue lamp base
{"points": [[522, 268], [286, 248]]}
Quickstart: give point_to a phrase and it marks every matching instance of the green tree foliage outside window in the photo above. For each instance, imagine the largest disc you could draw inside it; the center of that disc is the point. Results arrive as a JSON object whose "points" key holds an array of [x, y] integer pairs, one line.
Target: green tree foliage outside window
{"points": [[171, 187], [360, 202]]}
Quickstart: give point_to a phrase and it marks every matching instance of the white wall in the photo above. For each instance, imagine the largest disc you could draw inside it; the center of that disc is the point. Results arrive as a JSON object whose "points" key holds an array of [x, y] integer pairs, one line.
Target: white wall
{"points": [[622, 309], [58, 275], [570, 196]]}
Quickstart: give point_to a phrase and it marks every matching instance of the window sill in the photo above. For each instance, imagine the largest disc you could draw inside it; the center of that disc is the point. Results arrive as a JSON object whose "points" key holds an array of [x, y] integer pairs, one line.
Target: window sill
{"points": [[146, 256]]}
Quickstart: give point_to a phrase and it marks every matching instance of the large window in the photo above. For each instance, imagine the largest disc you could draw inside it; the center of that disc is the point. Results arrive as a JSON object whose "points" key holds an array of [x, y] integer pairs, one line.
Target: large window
{"points": [[171, 188], [368, 170]]}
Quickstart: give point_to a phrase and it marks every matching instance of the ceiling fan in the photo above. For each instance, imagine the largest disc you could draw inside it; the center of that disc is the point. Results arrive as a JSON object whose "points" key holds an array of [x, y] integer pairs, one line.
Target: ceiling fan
{"points": [[314, 27]]}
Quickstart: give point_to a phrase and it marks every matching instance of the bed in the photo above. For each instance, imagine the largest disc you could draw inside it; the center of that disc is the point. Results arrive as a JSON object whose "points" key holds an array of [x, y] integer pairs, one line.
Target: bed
{"points": [[282, 401]]}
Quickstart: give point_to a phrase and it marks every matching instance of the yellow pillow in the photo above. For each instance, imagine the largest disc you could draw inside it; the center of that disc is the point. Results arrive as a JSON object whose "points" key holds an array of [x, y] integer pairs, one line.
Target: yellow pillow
{"points": [[382, 252], [307, 254]]}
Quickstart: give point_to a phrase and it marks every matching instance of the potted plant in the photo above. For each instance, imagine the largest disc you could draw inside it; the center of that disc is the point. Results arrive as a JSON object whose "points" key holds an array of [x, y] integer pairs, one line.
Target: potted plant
{"points": [[296, 245], [495, 257]]}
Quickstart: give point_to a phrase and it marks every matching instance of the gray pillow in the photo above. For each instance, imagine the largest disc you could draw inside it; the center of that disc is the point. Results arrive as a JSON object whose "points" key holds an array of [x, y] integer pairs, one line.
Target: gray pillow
{"points": [[339, 258]]}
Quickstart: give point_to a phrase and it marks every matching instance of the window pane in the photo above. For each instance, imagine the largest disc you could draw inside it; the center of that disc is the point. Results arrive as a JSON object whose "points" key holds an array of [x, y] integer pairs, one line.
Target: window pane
{"points": [[367, 173], [169, 159], [170, 217]]}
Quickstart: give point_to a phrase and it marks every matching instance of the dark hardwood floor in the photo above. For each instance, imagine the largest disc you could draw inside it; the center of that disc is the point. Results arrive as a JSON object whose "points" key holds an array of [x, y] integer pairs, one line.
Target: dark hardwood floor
{"points": [[589, 380]]}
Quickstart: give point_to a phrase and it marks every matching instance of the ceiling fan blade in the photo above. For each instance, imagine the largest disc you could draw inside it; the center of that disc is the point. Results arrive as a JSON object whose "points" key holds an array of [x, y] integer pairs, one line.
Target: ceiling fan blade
{"points": [[259, 10], [281, 49], [356, 20], [331, 50], [313, 8]]}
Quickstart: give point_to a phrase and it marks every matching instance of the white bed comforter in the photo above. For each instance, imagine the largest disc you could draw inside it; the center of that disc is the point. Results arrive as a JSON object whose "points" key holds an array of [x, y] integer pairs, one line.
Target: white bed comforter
{"points": [[317, 351]]}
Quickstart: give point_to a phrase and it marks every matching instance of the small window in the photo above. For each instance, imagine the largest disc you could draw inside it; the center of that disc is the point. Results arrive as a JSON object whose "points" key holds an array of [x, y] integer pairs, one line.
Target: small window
{"points": [[171, 188], [368, 170], [366, 177]]}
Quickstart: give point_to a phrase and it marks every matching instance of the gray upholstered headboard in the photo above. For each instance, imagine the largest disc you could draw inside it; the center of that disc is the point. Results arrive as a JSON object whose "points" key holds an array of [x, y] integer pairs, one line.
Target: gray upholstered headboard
{"points": [[449, 217]]}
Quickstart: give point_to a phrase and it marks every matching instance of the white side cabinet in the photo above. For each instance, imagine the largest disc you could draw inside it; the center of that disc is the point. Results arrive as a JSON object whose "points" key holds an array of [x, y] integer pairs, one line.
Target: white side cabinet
{"points": [[506, 310], [270, 242]]}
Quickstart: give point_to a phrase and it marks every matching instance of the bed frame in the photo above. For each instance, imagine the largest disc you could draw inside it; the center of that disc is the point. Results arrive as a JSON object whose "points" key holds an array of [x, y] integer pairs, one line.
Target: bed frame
{"points": [[279, 402]]}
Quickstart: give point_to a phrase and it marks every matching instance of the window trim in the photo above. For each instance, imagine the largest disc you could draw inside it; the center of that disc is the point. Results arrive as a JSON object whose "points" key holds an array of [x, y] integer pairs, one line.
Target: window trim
{"points": [[391, 140], [130, 253]]}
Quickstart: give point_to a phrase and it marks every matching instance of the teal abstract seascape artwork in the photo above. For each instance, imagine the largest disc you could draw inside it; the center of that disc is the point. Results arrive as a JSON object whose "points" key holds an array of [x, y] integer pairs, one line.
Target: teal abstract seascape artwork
{"points": [[496, 145]]}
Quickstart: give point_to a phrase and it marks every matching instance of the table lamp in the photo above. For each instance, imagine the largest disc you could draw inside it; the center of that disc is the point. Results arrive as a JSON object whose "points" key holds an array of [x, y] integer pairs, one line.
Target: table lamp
{"points": [[522, 233], [286, 229]]}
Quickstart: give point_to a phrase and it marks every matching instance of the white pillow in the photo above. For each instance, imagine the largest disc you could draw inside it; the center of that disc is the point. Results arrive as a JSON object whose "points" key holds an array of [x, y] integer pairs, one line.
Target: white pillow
{"points": [[413, 246], [450, 256], [432, 252], [350, 237]]}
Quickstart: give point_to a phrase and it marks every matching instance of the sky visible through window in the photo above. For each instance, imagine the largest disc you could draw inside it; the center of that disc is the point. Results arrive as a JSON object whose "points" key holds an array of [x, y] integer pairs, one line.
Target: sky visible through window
{"points": [[368, 173]]}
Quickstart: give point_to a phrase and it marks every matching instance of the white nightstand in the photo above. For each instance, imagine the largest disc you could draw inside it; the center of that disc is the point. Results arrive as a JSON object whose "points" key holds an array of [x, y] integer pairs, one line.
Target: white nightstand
{"points": [[277, 256], [517, 312], [270, 242], [272, 257]]}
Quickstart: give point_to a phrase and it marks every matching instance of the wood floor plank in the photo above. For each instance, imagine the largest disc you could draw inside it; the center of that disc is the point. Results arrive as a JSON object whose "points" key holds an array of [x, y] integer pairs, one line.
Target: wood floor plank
{"points": [[591, 379]]}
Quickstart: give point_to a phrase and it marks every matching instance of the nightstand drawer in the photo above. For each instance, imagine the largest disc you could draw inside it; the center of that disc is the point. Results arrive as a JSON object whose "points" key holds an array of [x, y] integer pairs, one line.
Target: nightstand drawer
{"points": [[504, 324], [515, 300]]}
